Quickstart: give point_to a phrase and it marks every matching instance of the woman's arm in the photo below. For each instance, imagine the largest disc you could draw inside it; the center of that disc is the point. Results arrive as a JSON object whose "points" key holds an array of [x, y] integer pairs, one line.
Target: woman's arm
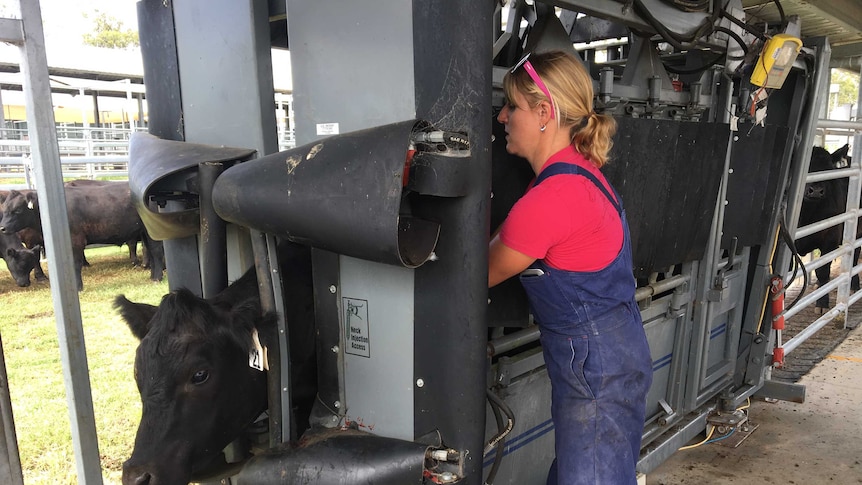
{"points": [[504, 262]]}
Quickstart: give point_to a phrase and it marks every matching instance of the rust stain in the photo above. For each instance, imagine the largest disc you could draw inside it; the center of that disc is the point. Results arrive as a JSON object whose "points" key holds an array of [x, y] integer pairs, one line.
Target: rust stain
{"points": [[293, 162], [314, 151]]}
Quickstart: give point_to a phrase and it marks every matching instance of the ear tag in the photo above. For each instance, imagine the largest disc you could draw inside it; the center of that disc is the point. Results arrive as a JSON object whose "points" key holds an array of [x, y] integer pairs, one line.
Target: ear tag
{"points": [[30, 204], [257, 358]]}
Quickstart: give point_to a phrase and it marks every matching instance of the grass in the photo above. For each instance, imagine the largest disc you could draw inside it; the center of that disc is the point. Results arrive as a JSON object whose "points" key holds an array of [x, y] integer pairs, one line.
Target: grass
{"points": [[29, 336]]}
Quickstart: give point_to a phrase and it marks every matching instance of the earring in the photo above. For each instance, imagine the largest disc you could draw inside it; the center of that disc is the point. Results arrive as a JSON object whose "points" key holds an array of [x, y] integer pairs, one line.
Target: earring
{"points": [[542, 129]]}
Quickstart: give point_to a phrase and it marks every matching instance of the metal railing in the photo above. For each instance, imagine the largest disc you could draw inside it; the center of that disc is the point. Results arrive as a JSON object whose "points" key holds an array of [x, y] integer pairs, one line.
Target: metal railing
{"points": [[85, 152], [843, 254]]}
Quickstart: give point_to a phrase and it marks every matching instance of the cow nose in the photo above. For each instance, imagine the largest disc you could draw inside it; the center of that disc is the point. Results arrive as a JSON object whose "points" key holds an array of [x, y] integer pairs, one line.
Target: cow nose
{"points": [[144, 479], [136, 475]]}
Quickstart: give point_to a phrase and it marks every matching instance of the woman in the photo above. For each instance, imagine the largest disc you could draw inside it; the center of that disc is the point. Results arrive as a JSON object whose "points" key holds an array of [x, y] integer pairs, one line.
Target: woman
{"points": [[568, 239]]}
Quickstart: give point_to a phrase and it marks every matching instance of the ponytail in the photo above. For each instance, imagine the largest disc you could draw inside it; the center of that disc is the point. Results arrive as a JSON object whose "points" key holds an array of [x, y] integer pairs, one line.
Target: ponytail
{"points": [[592, 138]]}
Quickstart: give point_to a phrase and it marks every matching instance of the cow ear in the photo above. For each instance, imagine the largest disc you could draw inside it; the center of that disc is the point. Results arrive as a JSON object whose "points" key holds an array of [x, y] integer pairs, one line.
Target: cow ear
{"points": [[137, 315], [32, 199], [37, 249]]}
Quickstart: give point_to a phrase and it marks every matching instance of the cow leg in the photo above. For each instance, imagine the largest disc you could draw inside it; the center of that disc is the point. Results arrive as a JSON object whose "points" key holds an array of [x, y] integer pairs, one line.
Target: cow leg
{"points": [[133, 251], [823, 278], [155, 252], [38, 274], [79, 242], [854, 281]]}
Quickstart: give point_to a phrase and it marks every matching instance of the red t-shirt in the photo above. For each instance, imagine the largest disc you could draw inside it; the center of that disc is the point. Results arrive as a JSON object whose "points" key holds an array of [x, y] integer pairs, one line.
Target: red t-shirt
{"points": [[566, 220]]}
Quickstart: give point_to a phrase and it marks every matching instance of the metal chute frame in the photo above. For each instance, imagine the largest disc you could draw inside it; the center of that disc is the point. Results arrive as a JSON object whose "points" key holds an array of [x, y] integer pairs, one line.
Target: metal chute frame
{"points": [[704, 312]]}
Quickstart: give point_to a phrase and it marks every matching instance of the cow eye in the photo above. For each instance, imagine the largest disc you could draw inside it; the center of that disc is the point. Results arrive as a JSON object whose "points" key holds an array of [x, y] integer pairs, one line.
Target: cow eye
{"points": [[200, 377]]}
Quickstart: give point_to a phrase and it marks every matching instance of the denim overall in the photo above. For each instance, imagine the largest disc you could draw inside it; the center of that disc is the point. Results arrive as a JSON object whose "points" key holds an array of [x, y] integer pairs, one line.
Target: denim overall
{"points": [[598, 360]]}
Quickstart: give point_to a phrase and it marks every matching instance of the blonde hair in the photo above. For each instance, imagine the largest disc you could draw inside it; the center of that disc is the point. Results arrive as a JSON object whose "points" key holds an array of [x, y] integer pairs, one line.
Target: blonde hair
{"points": [[571, 89]]}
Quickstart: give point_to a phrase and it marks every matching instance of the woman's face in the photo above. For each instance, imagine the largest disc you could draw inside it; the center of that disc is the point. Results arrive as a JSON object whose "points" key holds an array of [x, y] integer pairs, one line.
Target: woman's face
{"points": [[522, 125]]}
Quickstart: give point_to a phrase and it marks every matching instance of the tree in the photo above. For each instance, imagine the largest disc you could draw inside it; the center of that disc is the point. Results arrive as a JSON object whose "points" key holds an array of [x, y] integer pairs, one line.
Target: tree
{"points": [[848, 86], [108, 32]]}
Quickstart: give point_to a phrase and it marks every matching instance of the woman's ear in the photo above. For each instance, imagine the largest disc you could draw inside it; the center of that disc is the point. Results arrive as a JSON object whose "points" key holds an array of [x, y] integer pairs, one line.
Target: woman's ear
{"points": [[545, 113]]}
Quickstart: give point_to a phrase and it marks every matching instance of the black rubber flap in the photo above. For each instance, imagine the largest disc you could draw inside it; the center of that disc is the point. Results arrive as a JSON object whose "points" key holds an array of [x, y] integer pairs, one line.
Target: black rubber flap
{"points": [[339, 457], [157, 168], [668, 174], [759, 170], [342, 194]]}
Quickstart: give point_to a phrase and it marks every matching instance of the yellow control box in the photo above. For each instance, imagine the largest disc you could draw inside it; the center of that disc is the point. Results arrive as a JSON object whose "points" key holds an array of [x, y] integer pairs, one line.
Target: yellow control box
{"points": [[773, 66]]}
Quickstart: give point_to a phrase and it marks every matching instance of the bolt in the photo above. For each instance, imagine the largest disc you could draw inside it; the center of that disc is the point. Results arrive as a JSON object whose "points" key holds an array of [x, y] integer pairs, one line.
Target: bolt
{"points": [[332, 289], [334, 349], [337, 404], [420, 383]]}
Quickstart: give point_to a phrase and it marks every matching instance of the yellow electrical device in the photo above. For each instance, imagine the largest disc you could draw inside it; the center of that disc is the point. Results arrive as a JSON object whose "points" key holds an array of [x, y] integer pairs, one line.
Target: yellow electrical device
{"points": [[773, 66]]}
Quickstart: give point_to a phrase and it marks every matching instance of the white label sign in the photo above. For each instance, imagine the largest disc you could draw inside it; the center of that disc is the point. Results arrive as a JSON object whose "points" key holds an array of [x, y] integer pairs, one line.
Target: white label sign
{"points": [[327, 128], [357, 339]]}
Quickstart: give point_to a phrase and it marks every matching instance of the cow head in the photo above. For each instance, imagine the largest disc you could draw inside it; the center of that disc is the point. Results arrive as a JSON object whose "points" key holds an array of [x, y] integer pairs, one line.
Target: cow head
{"points": [[197, 389], [20, 262], [822, 160], [20, 210]]}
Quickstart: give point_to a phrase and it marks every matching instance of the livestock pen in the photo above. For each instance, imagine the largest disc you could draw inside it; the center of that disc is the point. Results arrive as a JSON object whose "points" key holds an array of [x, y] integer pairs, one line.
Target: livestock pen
{"points": [[707, 178]]}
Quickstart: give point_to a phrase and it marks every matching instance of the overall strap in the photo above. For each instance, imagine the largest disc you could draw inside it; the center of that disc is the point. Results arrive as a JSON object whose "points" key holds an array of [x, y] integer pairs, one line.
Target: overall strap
{"points": [[558, 168]]}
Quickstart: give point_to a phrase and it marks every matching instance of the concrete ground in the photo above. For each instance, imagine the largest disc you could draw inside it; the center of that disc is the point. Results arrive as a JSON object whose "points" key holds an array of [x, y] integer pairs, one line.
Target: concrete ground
{"points": [[817, 442]]}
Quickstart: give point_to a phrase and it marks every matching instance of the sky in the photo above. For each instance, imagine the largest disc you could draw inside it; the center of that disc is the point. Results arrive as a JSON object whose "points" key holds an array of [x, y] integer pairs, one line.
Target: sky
{"points": [[66, 21]]}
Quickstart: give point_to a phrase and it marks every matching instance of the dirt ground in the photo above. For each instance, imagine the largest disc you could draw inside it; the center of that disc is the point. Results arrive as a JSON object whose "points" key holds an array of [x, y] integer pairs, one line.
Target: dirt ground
{"points": [[811, 443]]}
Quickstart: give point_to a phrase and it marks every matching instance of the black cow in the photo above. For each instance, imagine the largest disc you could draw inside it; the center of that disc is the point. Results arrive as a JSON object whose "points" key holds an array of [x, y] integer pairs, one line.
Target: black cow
{"points": [[192, 370], [132, 244], [821, 201], [97, 215], [20, 260]]}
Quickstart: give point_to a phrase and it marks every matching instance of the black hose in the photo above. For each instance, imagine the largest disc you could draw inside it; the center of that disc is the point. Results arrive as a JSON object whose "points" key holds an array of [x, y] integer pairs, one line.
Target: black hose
{"points": [[695, 70], [510, 422], [688, 5], [735, 37], [498, 457], [751, 30], [780, 13], [788, 239]]}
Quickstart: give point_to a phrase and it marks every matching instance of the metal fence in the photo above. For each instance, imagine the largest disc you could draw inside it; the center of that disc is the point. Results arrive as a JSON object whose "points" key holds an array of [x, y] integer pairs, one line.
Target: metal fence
{"points": [[85, 152]]}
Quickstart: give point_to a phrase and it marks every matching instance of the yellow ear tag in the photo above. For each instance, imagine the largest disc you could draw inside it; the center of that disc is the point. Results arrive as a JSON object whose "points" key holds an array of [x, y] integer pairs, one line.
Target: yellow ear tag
{"points": [[30, 204], [257, 358]]}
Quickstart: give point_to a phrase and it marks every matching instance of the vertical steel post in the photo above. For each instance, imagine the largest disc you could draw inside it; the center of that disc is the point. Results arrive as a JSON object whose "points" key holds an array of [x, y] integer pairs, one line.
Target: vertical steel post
{"points": [[55, 228], [10, 461], [213, 233]]}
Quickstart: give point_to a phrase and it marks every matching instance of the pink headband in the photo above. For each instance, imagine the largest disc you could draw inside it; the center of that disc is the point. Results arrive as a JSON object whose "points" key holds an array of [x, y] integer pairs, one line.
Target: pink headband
{"points": [[535, 77]]}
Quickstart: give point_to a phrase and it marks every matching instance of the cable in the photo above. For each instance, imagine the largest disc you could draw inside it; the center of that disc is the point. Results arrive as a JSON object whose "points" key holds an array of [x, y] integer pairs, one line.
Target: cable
{"points": [[732, 430], [708, 436]]}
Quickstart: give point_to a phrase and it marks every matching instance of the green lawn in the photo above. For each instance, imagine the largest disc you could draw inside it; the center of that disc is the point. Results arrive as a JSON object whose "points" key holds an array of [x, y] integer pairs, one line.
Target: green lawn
{"points": [[29, 336]]}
